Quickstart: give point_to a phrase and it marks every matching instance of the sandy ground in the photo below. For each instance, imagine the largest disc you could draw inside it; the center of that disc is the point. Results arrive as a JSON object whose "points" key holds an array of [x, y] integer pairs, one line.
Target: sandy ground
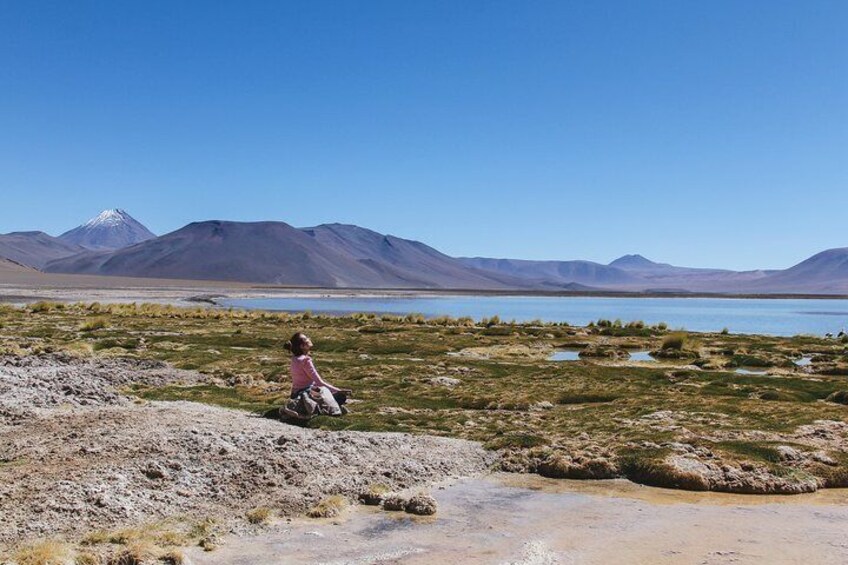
{"points": [[521, 519]]}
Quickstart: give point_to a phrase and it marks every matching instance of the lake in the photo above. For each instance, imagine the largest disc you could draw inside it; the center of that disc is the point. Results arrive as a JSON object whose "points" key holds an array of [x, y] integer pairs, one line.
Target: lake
{"points": [[784, 317]]}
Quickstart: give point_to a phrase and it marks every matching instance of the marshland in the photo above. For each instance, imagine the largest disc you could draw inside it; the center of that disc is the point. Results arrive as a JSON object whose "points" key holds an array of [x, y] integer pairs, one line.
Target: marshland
{"points": [[679, 417]]}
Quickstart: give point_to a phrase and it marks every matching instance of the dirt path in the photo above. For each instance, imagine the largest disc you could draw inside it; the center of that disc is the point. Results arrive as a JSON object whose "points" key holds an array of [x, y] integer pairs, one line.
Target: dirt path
{"points": [[530, 520]]}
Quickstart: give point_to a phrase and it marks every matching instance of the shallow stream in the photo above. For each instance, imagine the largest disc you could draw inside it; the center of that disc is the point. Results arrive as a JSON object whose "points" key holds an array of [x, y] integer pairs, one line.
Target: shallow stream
{"points": [[526, 519]]}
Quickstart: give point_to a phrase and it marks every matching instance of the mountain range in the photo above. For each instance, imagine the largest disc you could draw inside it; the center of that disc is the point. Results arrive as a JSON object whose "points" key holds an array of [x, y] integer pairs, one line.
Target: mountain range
{"points": [[348, 256]]}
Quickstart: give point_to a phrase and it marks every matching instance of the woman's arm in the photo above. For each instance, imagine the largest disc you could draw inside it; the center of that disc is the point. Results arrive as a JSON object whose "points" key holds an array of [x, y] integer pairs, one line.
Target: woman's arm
{"points": [[316, 378]]}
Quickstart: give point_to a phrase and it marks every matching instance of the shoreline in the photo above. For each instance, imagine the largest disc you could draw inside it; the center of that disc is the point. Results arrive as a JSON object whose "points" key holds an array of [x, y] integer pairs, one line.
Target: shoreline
{"points": [[525, 520], [28, 284], [215, 296]]}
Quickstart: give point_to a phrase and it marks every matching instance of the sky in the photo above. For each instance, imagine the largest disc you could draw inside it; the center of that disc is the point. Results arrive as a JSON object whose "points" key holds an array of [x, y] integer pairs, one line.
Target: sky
{"points": [[710, 134]]}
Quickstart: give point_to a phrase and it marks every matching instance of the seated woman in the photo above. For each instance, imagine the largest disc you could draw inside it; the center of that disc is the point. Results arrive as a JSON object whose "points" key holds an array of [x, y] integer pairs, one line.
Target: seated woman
{"points": [[306, 380]]}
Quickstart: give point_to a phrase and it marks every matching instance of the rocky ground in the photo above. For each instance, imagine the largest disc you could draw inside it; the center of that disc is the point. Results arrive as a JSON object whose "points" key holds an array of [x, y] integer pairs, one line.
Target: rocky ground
{"points": [[78, 454]]}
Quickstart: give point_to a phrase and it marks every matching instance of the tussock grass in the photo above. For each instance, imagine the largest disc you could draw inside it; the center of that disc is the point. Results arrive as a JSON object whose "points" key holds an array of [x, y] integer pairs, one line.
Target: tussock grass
{"points": [[87, 559], [259, 515], [139, 552], [648, 467], [675, 341], [47, 552], [329, 507], [93, 324]]}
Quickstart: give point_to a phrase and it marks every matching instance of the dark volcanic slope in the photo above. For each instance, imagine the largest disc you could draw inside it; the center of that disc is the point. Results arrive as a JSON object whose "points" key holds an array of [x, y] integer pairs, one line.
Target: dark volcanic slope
{"points": [[35, 248], [263, 252], [112, 229], [560, 272], [411, 261], [277, 253]]}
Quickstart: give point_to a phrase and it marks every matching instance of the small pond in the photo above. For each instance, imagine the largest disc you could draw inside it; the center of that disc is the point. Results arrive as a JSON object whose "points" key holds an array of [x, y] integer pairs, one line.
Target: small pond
{"points": [[574, 355], [569, 355], [742, 371], [641, 356]]}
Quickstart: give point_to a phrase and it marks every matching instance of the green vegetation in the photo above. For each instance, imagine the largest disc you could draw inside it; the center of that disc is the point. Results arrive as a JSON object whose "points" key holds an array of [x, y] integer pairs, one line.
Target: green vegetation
{"points": [[508, 395]]}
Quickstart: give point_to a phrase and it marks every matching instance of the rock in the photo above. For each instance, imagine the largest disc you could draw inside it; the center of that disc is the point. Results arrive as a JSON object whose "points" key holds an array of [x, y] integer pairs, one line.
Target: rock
{"points": [[839, 397], [421, 505], [822, 457], [444, 381], [154, 472], [543, 405], [787, 453], [394, 503]]}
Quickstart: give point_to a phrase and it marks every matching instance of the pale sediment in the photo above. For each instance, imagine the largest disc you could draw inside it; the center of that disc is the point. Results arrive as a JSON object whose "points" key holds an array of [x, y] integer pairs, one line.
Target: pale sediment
{"points": [[76, 453]]}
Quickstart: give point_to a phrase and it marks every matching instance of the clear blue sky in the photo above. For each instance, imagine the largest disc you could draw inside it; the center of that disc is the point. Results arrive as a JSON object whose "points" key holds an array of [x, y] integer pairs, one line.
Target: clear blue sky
{"points": [[698, 133]]}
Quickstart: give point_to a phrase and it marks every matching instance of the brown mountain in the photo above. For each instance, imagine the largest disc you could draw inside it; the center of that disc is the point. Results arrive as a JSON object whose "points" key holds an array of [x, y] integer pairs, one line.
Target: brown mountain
{"points": [[35, 248], [410, 261], [277, 253]]}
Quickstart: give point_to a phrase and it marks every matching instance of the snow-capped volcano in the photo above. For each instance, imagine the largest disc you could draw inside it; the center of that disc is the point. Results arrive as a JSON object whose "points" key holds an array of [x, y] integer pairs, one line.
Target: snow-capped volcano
{"points": [[111, 229]]}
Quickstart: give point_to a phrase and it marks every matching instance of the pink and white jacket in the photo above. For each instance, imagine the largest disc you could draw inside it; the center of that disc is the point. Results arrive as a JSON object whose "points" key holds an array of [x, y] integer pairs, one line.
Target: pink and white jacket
{"points": [[303, 374]]}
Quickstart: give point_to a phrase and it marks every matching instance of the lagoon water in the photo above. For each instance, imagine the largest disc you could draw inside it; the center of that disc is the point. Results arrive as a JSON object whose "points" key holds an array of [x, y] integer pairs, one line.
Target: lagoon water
{"points": [[784, 317]]}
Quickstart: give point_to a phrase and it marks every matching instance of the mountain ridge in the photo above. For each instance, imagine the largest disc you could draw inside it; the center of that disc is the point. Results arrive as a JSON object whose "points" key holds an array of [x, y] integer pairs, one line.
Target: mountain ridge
{"points": [[111, 229], [337, 255]]}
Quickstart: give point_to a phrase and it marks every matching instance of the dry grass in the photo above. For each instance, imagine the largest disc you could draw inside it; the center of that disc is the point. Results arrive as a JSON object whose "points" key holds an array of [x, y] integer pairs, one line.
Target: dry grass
{"points": [[137, 553], [675, 341], [87, 559], [259, 515], [45, 552], [174, 557], [330, 507], [93, 325]]}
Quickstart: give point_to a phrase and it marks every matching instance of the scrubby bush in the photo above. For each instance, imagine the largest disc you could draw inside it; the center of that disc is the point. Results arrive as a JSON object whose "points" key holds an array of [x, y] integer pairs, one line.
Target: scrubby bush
{"points": [[92, 325], [258, 515], [675, 341], [330, 507], [415, 318], [45, 553], [44, 306]]}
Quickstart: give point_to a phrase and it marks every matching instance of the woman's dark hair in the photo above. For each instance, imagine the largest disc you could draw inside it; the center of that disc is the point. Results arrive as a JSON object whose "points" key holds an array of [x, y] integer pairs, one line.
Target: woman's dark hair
{"points": [[295, 344]]}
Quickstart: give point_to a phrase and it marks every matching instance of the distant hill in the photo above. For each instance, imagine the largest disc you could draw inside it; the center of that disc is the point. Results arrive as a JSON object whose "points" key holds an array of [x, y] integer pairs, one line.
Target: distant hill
{"points": [[823, 273], [111, 229], [35, 248], [636, 263], [277, 253], [554, 272], [408, 261]]}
